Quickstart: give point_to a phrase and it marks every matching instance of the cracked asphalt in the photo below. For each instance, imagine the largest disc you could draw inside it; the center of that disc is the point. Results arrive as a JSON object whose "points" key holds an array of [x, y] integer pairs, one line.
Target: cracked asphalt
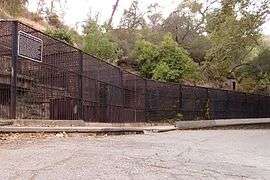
{"points": [[207, 154]]}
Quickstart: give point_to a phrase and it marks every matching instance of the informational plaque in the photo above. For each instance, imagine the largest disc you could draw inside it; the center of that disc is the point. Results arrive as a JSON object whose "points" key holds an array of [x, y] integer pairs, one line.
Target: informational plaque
{"points": [[30, 47]]}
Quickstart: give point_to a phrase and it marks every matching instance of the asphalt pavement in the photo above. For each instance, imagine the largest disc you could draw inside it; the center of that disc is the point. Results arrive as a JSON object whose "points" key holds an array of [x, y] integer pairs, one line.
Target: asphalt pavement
{"points": [[200, 154]]}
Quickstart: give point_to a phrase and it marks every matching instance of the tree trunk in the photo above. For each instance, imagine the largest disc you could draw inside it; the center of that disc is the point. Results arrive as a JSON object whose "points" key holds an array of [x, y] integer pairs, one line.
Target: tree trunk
{"points": [[113, 12]]}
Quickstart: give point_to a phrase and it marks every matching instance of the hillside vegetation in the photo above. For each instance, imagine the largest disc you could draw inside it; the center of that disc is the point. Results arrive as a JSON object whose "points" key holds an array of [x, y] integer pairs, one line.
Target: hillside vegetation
{"points": [[200, 42]]}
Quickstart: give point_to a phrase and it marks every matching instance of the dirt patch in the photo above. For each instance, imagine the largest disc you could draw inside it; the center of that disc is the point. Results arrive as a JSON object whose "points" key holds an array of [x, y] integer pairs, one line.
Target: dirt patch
{"points": [[18, 138]]}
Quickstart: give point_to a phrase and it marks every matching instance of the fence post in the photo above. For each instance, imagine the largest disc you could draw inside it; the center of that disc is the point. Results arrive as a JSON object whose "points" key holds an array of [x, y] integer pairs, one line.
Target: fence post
{"points": [[123, 97], [209, 113], [135, 100], [80, 86], [259, 107], [180, 99], [13, 81], [145, 101], [246, 115], [228, 116]]}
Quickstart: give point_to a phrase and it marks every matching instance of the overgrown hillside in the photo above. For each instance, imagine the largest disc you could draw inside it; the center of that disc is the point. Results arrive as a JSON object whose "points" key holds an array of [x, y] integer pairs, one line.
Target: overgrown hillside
{"points": [[200, 42]]}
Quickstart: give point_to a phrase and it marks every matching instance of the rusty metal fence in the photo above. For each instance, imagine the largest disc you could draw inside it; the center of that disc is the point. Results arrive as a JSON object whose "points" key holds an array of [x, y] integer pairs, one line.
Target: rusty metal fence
{"points": [[70, 84]]}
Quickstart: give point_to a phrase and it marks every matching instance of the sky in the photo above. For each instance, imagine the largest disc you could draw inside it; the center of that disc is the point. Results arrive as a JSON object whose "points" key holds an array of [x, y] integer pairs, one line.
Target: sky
{"points": [[77, 11]]}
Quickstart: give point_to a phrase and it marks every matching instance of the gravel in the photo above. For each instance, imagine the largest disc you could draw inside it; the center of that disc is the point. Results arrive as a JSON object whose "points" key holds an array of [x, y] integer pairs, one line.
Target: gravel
{"points": [[201, 154]]}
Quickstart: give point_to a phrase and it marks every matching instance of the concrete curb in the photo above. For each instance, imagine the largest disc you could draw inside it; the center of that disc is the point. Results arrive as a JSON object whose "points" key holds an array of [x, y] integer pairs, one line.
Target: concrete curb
{"points": [[78, 123], [84, 129], [219, 123], [40, 122], [6, 123]]}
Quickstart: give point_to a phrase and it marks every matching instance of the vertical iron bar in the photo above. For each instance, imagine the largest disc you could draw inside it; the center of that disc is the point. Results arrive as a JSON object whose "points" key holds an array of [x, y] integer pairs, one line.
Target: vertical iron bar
{"points": [[123, 97], [209, 105], [259, 106], [80, 86], [246, 115], [180, 99], [227, 105], [135, 99], [13, 81], [145, 101], [98, 94]]}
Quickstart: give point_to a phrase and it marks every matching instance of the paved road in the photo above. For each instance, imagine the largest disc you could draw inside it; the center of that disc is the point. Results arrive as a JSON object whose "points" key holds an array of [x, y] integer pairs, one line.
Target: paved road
{"points": [[209, 154]]}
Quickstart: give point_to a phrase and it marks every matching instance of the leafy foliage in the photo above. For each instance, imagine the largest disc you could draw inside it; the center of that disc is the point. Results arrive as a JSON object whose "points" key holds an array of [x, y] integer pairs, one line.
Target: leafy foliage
{"points": [[234, 32], [223, 37], [146, 54], [263, 60], [54, 20], [13, 7], [98, 42], [61, 34], [255, 75], [167, 62]]}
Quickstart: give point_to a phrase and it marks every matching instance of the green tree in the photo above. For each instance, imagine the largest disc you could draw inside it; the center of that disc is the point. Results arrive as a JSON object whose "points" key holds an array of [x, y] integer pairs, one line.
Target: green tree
{"points": [[187, 25], [98, 42], [254, 75], [146, 54], [166, 62], [234, 31], [263, 60], [136, 24], [62, 34]]}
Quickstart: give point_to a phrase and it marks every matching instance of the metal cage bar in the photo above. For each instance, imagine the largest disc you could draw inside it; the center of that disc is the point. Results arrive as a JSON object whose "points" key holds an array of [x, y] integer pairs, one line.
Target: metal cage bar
{"points": [[71, 84]]}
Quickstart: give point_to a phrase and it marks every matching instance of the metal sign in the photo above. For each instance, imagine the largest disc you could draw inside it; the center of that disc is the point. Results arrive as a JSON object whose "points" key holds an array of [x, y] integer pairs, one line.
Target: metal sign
{"points": [[30, 47]]}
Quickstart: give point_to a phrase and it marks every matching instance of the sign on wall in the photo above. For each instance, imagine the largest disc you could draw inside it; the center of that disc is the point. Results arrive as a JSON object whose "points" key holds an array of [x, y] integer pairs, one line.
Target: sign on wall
{"points": [[30, 47]]}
